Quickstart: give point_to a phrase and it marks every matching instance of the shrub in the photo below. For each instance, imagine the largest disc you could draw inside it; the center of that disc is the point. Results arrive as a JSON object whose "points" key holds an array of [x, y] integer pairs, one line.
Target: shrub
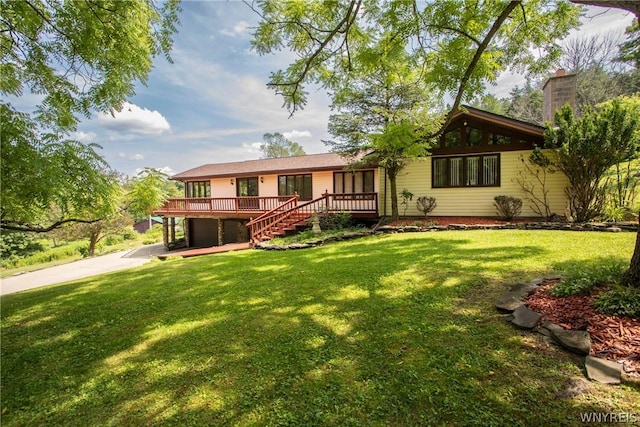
{"points": [[407, 196], [622, 301], [334, 220], [426, 204], [508, 207], [583, 282]]}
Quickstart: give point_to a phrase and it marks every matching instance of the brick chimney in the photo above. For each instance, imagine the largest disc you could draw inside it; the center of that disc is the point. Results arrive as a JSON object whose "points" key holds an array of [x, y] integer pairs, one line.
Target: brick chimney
{"points": [[558, 91]]}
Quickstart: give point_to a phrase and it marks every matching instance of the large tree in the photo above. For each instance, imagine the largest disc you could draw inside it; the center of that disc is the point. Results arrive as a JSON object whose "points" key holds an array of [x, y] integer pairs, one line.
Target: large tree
{"points": [[277, 145], [382, 112], [73, 57], [460, 45]]}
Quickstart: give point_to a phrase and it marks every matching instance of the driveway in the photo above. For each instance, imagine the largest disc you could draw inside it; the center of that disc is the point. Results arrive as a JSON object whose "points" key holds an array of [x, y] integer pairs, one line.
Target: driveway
{"points": [[81, 269]]}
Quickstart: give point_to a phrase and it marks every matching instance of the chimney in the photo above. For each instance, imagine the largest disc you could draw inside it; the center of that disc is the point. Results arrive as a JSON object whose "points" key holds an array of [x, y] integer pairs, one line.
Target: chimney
{"points": [[558, 91]]}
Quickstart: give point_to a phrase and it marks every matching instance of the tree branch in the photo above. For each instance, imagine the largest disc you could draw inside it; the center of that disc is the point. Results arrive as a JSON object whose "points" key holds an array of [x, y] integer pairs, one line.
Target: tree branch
{"points": [[26, 227], [474, 62]]}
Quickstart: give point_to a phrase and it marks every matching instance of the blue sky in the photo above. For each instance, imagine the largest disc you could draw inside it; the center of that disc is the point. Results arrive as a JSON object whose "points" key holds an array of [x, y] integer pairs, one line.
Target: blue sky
{"points": [[212, 105]]}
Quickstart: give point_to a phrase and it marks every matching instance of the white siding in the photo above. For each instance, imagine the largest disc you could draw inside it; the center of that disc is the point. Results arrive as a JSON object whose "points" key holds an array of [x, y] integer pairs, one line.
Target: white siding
{"points": [[472, 201]]}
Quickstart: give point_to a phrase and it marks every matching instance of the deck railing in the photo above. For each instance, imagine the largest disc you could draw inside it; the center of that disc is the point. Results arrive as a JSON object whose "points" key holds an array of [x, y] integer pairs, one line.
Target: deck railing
{"points": [[236, 205], [292, 211]]}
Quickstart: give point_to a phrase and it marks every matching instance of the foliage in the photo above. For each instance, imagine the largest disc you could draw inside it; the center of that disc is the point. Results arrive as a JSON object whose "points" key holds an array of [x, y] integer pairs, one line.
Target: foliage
{"points": [[407, 196], [382, 113], [41, 171], [459, 48], [508, 207], [532, 179], [81, 56], [582, 282], [330, 221], [587, 147], [75, 57], [276, 145], [630, 50], [426, 204], [621, 301], [148, 192], [18, 244], [343, 334]]}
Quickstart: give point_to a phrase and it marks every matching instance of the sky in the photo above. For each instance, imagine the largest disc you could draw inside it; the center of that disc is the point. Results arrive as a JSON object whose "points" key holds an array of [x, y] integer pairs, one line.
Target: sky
{"points": [[212, 104]]}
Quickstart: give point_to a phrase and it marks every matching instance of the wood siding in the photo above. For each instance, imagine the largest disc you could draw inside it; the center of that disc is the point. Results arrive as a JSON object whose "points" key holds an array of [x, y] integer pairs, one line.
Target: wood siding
{"points": [[471, 201]]}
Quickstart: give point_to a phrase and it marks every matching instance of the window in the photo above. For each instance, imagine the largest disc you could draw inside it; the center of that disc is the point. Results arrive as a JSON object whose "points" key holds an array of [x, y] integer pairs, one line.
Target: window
{"points": [[452, 139], [474, 137], [288, 185], [353, 182], [466, 171], [497, 139], [198, 189], [247, 187]]}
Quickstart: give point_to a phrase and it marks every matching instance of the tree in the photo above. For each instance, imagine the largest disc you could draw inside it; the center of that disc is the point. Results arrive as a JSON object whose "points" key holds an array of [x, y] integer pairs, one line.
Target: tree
{"points": [[276, 145], [587, 147], [77, 57], [42, 171], [460, 45], [382, 113], [148, 192]]}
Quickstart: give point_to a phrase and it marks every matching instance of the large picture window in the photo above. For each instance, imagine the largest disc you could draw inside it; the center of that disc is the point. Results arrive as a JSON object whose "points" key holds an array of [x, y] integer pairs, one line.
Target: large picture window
{"points": [[288, 185], [353, 182], [198, 189], [466, 171]]}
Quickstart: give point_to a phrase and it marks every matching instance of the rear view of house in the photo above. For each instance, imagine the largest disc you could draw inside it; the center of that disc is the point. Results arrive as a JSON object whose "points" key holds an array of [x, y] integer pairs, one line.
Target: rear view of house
{"points": [[480, 155]]}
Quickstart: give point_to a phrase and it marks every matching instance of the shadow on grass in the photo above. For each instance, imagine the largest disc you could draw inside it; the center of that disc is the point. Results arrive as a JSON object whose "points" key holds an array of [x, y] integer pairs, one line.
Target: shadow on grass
{"points": [[387, 330]]}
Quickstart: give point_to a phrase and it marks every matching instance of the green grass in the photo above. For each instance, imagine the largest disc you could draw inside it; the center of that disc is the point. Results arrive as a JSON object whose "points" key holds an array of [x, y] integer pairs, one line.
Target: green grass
{"points": [[384, 330]]}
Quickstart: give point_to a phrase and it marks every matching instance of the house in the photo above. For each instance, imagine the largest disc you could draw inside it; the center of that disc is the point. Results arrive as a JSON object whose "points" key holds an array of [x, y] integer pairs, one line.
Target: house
{"points": [[228, 202], [480, 155], [144, 224]]}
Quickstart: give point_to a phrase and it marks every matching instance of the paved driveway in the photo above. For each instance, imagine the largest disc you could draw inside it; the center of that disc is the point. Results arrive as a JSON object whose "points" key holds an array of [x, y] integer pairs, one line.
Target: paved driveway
{"points": [[80, 269]]}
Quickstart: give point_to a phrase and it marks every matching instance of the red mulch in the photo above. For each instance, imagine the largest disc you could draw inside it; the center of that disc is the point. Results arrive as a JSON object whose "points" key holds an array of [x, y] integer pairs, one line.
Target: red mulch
{"points": [[612, 337], [447, 220]]}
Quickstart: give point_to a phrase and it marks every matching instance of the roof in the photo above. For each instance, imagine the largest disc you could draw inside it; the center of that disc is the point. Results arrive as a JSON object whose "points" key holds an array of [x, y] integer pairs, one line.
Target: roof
{"points": [[486, 116], [312, 162]]}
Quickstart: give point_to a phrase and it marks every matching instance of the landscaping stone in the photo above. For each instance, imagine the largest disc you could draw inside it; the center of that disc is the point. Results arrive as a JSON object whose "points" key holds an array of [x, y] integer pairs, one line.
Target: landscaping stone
{"points": [[523, 290], [602, 370], [578, 342], [524, 318], [573, 388], [508, 302]]}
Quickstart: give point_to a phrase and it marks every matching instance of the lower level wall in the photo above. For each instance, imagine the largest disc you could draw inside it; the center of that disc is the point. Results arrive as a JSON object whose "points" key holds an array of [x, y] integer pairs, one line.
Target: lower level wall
{"points": [[476, 201], [207, 232]]}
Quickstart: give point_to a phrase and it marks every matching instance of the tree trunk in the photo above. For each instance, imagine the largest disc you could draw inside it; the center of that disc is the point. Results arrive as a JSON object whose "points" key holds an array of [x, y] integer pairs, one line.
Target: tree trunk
{"points": [[631, 277], [395, 214]]}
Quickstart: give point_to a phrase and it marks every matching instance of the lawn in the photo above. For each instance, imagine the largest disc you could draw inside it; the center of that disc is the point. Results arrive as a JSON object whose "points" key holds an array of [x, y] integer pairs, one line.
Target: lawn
{"points": [[384, 330]]}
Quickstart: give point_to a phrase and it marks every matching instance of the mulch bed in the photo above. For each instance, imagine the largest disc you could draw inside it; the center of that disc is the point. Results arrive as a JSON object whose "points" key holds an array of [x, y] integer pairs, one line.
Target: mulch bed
{"points": [[612, 337]]}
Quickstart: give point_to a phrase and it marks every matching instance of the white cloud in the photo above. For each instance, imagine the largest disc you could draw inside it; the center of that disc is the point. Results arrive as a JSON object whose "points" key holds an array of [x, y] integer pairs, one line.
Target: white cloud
{"points": [[135, 119], [84, 136], [237, 30], [294, 134]]}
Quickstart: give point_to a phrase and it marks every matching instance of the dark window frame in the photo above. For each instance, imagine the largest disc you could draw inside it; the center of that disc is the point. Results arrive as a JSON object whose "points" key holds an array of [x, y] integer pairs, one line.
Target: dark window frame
{"points": [[292, 182], [367, 176], [464, 179], [197, 189]]}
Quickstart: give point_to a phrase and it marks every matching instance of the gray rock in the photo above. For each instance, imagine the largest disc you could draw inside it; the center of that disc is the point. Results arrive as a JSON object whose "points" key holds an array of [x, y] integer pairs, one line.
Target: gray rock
{"points": [[578, 342], [572, 388], [508, 302], [602, 370], [523, 290], [525, 318]]}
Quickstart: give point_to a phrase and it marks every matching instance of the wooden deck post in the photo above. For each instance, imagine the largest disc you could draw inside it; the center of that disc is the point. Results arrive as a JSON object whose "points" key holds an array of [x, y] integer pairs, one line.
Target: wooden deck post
{"points": [[165, 232]]}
